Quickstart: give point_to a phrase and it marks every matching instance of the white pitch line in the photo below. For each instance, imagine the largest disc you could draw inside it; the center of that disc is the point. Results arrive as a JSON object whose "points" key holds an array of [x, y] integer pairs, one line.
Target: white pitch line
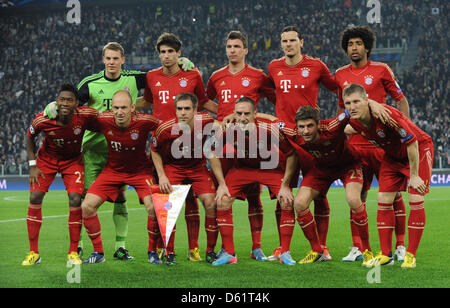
{"points": [[59, 216]]}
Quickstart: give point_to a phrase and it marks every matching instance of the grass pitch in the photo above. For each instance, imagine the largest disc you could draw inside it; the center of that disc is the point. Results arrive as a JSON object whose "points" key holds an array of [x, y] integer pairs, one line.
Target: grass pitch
{"points": [[432, 269]]}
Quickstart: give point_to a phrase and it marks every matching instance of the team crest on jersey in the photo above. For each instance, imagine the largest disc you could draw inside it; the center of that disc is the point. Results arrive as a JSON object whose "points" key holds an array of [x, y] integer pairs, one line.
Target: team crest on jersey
{"points": [[183, 82], [305, 72], [134, 134], [77, 130], [402, 132], [245, 82], [368, 79], [381, 134]]}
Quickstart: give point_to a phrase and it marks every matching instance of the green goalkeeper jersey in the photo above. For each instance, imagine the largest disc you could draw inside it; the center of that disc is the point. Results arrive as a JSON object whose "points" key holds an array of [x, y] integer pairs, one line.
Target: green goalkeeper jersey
{"points": [[97, 91]]}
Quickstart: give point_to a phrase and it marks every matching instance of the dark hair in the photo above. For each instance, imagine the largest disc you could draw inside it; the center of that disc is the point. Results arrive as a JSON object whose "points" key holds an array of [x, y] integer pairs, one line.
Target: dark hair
{"points": [[168, 39], [354, 88], [186, 96], [238, 35], [362, 32], [246, 99], [69, 88], [307, 112], [292, 28]]}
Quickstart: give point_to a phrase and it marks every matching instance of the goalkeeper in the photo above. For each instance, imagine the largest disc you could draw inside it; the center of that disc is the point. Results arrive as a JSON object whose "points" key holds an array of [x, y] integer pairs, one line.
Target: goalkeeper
{"points": [[97, 91]]}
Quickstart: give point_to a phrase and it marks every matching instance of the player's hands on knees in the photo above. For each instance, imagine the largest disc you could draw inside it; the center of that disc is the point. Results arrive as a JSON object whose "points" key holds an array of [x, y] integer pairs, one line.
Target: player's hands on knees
{"points": [[35, 172], [417, 184], [379, 111], [285, 196], [164, 185], [222, 190]]}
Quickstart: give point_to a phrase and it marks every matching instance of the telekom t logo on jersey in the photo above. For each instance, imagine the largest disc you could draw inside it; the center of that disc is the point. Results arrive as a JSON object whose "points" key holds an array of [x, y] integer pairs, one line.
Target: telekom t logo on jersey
{"points": [[226, 95], [285, 85], [164, 96]]}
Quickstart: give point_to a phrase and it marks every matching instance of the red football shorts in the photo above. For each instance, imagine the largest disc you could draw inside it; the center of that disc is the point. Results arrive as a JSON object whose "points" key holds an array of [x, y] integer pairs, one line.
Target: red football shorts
{"points": [[241, 180], [109, 184], [199, 177], [72, 173], [394, 175], [371, 158], [321, 179]]}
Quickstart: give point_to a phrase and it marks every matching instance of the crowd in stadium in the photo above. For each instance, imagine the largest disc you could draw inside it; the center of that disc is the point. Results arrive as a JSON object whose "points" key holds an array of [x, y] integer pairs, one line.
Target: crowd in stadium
{"points": [[39, 54]]}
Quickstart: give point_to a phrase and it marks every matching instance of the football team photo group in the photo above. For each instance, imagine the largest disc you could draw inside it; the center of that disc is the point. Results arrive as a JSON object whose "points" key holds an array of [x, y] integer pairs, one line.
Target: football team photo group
{"points": [[119, 137]]}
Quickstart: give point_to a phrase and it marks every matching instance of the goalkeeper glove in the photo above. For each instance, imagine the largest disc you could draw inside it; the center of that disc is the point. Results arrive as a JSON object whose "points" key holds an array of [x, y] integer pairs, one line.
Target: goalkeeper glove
{"points": [[51, 110], [185, 64]]}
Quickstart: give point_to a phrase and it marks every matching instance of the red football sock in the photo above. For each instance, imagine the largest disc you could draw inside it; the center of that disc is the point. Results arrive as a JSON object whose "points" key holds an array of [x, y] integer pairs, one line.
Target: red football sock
{"points": [[170, 248], [74, 227], [287, 224], [361, 221], [226, 228], [385, 225], [93, 229], [416, 225], [400, 221], [212, 232], [192, 217], [355, 232], [34, 222], [278, 219], [255, 216], [154, 234], [306, 221], [322, 218]]}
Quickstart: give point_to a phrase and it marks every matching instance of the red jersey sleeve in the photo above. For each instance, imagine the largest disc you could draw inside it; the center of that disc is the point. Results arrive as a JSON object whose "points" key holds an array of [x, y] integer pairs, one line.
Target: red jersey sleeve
{"points": [[200, 91], [399, 124], [34, 128], [391, 85], [148, 96], [211, 89], [267, 88], [327, 79]]}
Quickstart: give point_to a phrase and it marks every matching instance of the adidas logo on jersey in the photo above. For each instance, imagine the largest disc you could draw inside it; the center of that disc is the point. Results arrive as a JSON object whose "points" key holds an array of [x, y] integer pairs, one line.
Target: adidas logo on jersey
{"points": [[280, 73], [158, 84], [101, 92]]}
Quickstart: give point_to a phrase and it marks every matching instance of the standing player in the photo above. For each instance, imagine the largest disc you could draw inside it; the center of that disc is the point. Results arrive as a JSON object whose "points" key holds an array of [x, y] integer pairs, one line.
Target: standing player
{"points": [[334, 159], [258, 143], [228, 84], [163, 85], [60, 152], [126, 133], [408, 156], [377, 79], [184, 134], [296, 78]]}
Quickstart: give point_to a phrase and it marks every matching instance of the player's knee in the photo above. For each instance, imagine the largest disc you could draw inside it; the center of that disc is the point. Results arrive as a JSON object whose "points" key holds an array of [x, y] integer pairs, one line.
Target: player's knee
{"points": [[74, 200], [300, 205], [225, 204], [36, 197]]}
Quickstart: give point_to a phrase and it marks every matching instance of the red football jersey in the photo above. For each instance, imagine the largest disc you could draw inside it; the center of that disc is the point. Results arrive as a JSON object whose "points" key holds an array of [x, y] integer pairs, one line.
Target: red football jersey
{"points": [[182, 148], [228, 87], [332, 149], [298, 85], [162, 89], [256, 148], [126, 146], [62, 142], [394, 136], [377, 79]]}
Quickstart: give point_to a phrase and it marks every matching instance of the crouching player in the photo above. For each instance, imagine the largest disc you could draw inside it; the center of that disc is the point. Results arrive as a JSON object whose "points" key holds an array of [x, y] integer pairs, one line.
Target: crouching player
{"points": [[258, 143], [60, 153], [408, 156], [334, 158], [177, 153], [126, 133]]}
